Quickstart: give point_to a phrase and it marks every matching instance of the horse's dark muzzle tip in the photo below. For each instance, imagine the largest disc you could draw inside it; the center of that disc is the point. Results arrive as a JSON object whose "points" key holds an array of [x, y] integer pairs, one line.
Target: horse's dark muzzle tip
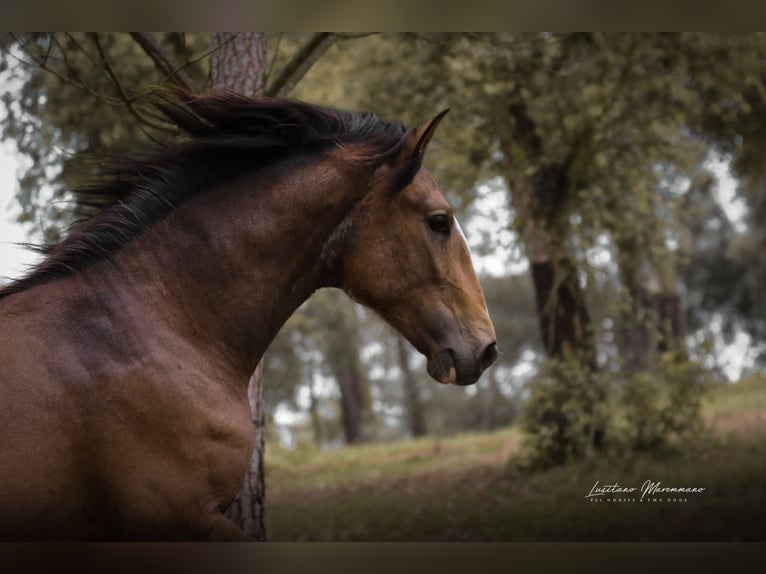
{"points": [[488, 356]]}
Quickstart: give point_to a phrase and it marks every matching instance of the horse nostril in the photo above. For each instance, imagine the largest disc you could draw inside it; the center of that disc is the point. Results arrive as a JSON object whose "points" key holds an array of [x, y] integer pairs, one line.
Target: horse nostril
{"points": [[488, 356]]}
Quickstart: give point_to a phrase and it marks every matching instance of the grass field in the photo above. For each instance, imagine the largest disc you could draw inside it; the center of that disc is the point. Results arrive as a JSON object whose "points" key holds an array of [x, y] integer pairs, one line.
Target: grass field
{"points": [[467, 488]]}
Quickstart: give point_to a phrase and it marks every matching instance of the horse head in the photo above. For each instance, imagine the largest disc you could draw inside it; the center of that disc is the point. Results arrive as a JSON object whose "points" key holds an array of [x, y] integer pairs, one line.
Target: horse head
{"points": [[406, 258]]}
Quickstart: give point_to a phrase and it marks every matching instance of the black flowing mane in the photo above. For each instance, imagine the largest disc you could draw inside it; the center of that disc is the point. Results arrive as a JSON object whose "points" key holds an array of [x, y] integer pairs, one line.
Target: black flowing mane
{"points": [[228, 135]]}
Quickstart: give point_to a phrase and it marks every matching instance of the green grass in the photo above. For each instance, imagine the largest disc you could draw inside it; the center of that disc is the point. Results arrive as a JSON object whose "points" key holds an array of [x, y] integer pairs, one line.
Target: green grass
{"points": [[467, 488]]}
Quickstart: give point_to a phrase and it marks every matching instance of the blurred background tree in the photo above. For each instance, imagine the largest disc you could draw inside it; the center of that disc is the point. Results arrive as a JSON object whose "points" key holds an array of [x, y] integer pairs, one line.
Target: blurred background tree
{"points": [[585, 168]]}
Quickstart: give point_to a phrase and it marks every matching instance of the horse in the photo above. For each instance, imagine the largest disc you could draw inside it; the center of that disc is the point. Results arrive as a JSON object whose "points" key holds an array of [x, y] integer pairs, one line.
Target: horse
{"points": [[127, 351]]}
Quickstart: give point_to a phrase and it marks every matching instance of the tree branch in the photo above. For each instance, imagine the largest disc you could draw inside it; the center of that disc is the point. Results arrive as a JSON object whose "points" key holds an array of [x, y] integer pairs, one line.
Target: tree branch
{"points": [[50, 47], [267, 77], [354, 35], [43, 66], [173, 73], [143, 122], [301, 63], [70, 37], [204, 55]]}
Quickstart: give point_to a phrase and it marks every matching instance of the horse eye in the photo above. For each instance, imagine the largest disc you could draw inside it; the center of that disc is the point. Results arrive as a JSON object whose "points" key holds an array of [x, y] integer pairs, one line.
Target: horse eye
{"points": [[439, 224]]}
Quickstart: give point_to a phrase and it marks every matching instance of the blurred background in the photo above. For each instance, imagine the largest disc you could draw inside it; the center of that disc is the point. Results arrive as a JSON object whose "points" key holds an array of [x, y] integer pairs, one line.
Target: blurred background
{"points": [[613, 193]]}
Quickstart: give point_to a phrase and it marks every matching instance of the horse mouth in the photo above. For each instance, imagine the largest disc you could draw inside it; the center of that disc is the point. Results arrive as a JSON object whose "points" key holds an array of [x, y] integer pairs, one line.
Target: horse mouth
{"points": [[442, 367], [450, 367]]}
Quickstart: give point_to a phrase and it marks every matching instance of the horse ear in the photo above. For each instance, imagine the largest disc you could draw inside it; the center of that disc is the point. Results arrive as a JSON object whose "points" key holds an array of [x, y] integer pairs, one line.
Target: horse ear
{"points": [[417, 140], [408, 157]]}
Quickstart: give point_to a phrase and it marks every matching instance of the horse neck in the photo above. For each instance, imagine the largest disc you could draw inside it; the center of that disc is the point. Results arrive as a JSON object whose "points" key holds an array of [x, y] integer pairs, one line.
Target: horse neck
{"points": [[228, 268]]}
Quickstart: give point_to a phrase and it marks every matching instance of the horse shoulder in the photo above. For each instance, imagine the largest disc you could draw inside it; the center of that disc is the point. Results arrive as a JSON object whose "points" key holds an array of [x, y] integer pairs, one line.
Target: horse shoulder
{"points": [[139, 435]]}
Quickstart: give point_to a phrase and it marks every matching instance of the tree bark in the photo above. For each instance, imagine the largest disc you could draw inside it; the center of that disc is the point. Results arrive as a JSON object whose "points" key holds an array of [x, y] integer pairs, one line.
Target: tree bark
{"points": [[238, 61], [248, 507], [412, 400], [238, 64]]}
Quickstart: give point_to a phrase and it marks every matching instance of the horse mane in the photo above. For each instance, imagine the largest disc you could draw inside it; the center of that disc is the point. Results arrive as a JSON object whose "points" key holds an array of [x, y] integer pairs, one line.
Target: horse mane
{"points": [[227, 135]]}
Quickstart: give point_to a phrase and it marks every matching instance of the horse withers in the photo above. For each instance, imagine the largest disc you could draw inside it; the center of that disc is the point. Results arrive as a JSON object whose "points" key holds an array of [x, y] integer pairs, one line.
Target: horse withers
{"points": [[126, 353]]}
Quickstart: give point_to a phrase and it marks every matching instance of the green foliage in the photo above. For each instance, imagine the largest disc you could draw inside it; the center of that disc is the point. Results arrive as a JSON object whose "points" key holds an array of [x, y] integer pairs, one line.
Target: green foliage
{"points": [[573, 412], [565, 415], [655, 411]]}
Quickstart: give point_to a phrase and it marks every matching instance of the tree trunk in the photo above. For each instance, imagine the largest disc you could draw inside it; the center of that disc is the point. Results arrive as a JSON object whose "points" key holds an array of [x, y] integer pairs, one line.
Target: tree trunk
{"points": [[638, 338], [654, 321], [672, 323], [316, 425], [248, 506], [341, 352], [564, 320], [353, 409], [238, 61], [237, 64], [412, 401], [538, 191], [489, 397]]}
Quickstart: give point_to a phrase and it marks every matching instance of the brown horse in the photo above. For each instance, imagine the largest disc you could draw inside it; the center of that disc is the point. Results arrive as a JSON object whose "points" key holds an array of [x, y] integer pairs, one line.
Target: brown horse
{"points": [[126, 353]]}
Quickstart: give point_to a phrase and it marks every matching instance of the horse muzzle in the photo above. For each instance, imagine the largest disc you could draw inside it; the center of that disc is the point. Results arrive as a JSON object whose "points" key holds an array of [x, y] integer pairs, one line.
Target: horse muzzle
{"points": [[460, 366]]}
